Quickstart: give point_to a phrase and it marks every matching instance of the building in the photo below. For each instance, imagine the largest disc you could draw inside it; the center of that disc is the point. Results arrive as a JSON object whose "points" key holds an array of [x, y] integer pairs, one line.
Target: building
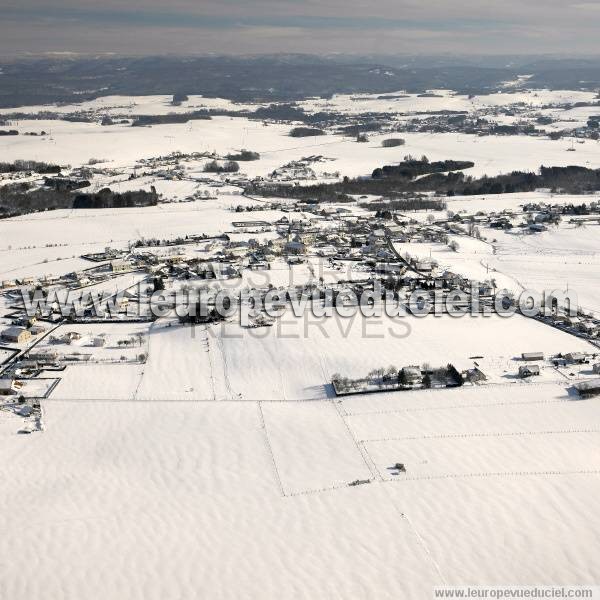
{"points": [[532, 356], [16, 335], [70, 336], [9, 387], [475, 375], [410, 375], [576, 358], [295, 246], [529, 371], [120, 266], [591, 387], [43, 355]]}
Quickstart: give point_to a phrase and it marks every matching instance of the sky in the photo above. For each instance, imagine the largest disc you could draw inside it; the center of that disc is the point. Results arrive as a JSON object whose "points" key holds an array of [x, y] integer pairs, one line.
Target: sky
{"points": [[151, 27]]}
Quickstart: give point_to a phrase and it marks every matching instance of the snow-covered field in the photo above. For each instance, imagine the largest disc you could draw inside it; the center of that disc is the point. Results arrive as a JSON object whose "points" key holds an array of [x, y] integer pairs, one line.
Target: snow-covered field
{"points": [[96, 228], [240, 499], [76, 143], [120, 145]]}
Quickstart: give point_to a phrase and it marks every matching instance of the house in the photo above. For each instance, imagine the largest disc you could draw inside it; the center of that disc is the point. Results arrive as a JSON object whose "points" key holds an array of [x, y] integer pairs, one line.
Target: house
{"points": [[295, 246], [70, 336], [576, 358], [327, 251], [8, 387], [474, 375], [16, 335], [29, 365], [43, 355], [424, 266], [537, 228], [591, 387], [532, 356], [97, 341], [410, 375], [529, 371], [120, 266], [589, 328]]}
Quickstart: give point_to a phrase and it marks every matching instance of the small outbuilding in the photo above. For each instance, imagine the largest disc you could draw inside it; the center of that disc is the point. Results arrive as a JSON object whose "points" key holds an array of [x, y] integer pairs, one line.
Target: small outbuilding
{"points": [[532, 356]]}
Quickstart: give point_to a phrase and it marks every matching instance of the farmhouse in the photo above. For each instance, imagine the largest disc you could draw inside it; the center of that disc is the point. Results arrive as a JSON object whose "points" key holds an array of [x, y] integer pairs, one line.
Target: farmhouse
{"points": [[410, 375], [576, 358], [475, 375], [529, 371], [591, 387], [16, 335]]}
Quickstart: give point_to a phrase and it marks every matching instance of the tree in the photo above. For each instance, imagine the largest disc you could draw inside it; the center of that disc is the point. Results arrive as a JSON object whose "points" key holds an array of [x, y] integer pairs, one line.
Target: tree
{"points": [[306, 132], [392, 142], [402, 378], [454, 374], [391, 372], [178, 98]]}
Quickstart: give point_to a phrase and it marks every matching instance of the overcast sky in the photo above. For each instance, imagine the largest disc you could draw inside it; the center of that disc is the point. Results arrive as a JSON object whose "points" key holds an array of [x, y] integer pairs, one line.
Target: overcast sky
{"points": [[314, 26]]}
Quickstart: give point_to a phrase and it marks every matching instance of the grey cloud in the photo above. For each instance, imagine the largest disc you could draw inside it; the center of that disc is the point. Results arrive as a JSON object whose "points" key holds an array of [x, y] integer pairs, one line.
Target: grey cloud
{"points": [[237, 26]]}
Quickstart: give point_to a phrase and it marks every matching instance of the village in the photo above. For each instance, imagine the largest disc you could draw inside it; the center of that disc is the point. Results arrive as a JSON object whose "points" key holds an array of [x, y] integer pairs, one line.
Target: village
{"points": [[327, 250]]}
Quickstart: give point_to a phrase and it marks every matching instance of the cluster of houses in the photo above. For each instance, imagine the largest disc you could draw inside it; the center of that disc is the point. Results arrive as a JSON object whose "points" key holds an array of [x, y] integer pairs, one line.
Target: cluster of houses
{"points": [[581, 325], [532, 360], [76, 279]]}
